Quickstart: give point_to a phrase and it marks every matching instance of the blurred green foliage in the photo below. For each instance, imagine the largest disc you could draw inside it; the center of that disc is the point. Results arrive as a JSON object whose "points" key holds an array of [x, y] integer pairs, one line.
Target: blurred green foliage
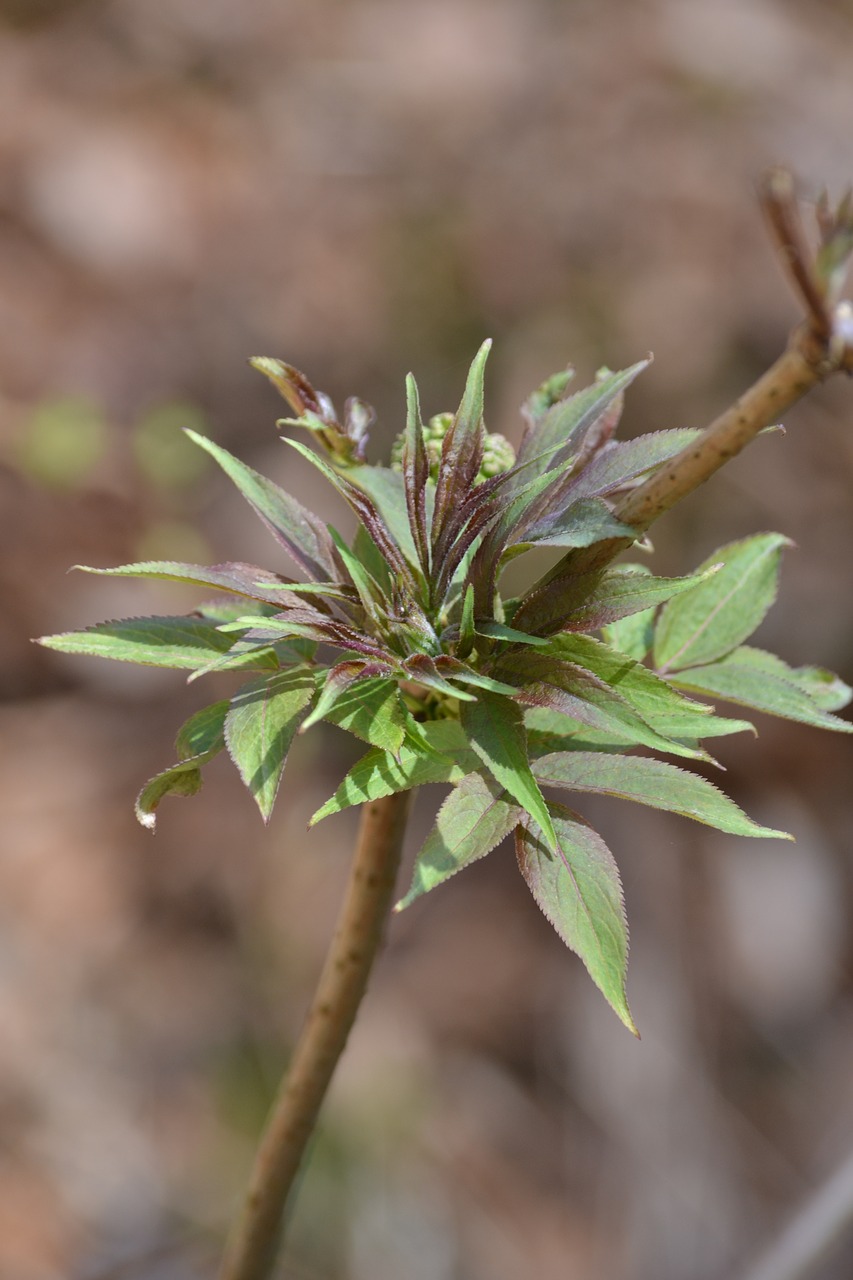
{"points": [[63, 443]]}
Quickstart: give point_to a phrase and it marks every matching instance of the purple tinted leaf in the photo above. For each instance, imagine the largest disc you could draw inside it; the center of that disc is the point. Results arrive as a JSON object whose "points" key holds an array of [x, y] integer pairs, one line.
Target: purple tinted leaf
{"points": [[594, 600], [364, 508], [669, 712], [416, 475], [600, 433], [386, 490], [293, 386], [580, 524], [359, 418], [567, 422], [423, 669], [621, 462], [312, 626], [588, 699], [453, 669], [239, 579], [461, 451], [296, 528]]}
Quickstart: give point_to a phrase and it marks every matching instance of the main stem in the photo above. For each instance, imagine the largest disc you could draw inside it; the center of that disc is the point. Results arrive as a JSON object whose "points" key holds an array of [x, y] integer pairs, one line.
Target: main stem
{"points": [[251, 1250]]}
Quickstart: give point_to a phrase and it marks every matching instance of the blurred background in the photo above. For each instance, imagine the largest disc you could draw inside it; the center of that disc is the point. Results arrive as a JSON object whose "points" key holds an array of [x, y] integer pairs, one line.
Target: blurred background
{"points": [[363, 189]]}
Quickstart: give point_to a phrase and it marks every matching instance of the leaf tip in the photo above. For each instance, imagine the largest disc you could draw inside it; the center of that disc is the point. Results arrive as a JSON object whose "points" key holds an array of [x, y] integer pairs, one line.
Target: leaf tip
{"points": [[146, 818]]}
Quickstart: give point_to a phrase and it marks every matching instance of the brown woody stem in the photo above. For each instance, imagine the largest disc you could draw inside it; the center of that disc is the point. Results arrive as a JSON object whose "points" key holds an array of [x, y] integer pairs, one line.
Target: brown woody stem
{"points": [[253, 1244], [784, 383]]}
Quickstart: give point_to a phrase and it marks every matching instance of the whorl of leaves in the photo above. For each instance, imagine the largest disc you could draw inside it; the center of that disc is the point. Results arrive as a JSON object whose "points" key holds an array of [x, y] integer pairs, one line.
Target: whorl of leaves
{"points": [[404, 639]]}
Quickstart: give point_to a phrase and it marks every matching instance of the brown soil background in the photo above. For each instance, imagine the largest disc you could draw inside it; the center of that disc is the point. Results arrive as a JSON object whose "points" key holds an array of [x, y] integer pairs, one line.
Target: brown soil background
{"points": [[364, 189]]}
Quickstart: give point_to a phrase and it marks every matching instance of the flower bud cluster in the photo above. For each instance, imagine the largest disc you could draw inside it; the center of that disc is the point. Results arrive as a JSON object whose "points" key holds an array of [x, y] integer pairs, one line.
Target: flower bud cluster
{"points": [[498, 453]]}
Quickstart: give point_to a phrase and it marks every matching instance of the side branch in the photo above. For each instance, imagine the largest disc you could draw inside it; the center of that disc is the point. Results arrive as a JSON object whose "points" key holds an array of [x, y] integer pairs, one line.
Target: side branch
{"points": [[784, 383], [251, 1250]]}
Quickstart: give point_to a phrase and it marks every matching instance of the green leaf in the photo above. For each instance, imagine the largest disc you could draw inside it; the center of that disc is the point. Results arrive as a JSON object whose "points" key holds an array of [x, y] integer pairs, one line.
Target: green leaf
{"points": [[549, 730], [260, 726], [707, 623], [296, 528], [369, 592], [497, 631], [762, 682], [182, 779], [651, 782], [473, 820], [633, 635], [199, 739], [495, 729], [251, 653], [467, 625], [378, 773], [577, 887], [340, 684], [827, 690], [204, 732], [184, 643], [373, 711], [223, 609]]}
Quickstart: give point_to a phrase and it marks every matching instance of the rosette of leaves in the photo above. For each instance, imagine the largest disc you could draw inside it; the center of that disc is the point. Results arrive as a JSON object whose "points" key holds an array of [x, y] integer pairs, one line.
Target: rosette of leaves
{"points": [[404, 638]]}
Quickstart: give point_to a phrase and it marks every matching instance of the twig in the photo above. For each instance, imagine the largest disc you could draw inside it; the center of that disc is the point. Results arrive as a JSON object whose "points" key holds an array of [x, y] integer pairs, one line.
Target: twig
{"points": [[779, 202], [251, 1250], [813, 1234], [784, 383], [823, 345]]}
